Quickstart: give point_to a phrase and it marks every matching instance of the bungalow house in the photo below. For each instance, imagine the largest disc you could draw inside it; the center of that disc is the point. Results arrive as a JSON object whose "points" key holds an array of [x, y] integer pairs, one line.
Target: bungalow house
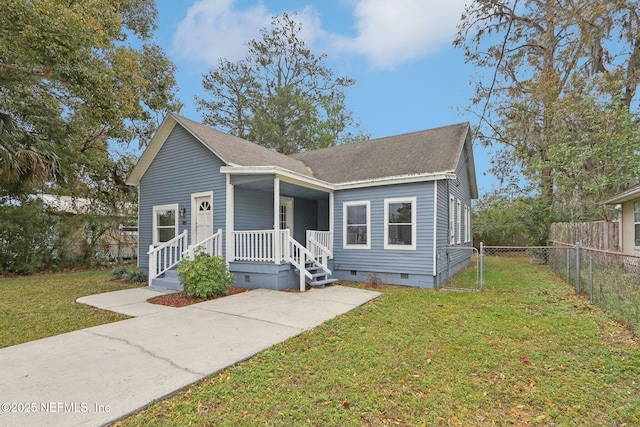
{"points": [[384, 207], [629, 220]]}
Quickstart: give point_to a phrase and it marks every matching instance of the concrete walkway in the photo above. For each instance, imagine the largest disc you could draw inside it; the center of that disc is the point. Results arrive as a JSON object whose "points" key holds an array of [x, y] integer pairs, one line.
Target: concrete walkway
{"points": [[97, 375]]}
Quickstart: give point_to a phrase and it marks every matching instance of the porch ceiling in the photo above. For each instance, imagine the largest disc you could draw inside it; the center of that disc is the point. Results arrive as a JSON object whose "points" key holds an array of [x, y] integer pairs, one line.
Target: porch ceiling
{"points": [[265, 184]]}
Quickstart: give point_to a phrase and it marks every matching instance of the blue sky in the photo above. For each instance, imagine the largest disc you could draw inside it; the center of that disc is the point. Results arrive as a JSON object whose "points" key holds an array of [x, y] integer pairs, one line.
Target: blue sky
{"points": [[408, 75]]}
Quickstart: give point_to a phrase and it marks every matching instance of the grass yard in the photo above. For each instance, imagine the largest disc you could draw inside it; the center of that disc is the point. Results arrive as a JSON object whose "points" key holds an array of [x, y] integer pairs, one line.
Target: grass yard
{"points": [[42, 305], [524, 352]]}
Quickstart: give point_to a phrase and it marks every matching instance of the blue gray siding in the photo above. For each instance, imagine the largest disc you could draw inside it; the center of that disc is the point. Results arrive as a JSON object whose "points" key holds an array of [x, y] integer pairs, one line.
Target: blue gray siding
{"points": [[181, 167], [390, 263], [459, 188], [323, 214], [253, 209], [304, 218]]}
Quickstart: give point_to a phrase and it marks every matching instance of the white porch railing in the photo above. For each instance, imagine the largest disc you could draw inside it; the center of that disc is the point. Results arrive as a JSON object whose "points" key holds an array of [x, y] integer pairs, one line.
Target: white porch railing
{"points": [[319, 252], [166, 256], [323, 238], [212, 245], [258, 246], [299, 257]]}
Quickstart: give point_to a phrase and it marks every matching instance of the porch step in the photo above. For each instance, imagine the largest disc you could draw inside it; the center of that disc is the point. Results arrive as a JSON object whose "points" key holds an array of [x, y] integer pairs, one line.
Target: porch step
{"points": [[322, 283], [168, 284]]}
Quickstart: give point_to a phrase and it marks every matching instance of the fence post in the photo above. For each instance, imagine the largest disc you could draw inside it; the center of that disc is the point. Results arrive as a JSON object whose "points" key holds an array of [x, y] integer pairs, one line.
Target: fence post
{"points": [[482, 266], [568, 255], [591, 276], [577, 268]]}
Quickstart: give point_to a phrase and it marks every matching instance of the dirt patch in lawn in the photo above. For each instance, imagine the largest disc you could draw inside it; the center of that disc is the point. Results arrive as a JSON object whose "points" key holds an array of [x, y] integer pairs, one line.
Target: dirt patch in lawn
{"points": [[181, 299]]}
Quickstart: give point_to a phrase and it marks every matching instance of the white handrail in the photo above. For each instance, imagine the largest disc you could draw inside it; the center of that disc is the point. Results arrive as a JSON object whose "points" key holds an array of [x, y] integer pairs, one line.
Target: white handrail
{"points": [[212, 245], [324, 238], [166, 256], [319, 251], [299, 256]]}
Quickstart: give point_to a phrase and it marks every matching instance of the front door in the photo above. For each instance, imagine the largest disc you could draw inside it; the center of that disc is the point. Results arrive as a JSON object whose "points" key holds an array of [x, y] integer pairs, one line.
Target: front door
{"points": [[286, 214], [203, 217]]}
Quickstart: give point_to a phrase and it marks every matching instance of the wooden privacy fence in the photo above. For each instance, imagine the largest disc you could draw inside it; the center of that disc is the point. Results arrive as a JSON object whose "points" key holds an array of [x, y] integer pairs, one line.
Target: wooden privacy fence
{"points": [[600, 235]]}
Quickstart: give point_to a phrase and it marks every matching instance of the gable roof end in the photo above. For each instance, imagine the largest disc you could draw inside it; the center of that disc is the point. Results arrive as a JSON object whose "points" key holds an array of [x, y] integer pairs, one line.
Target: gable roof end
{"points": [[230, 149]]}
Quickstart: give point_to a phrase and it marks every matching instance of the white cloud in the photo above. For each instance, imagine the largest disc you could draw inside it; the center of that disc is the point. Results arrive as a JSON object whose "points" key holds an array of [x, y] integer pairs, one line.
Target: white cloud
{"points": [[391, 32], [214, 29]]}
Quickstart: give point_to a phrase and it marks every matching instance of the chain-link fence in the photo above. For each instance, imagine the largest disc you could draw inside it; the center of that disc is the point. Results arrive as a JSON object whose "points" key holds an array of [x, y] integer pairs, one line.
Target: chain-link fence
{"points": [[452, 259], [609, 279]]}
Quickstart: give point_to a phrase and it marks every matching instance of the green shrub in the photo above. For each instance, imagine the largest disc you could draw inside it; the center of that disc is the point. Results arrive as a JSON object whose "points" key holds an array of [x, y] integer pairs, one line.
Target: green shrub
{"points": [[131, 275], [120, 273], [137, 276], [205, 276]]}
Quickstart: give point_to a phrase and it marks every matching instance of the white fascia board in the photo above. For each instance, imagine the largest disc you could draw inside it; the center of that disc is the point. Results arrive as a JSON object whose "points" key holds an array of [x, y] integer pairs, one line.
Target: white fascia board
{"points": [[151, 151], [296, 178], [284, 174], [625, 196], [400, 179]]}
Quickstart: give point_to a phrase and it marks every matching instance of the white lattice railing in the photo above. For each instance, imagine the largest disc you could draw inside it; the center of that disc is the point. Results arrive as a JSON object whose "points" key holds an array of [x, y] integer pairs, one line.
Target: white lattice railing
{"points": [[323, 238], [212, 245], [166, 256]]}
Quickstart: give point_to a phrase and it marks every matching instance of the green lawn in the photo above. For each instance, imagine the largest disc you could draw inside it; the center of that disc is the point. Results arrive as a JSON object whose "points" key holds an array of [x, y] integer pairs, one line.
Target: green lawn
{"points": [[42, 305], [524, 352]]}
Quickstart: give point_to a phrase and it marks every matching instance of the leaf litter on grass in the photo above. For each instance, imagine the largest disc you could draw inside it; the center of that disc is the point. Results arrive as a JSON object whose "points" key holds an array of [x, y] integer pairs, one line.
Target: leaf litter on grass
{"points": [[523, 352]]}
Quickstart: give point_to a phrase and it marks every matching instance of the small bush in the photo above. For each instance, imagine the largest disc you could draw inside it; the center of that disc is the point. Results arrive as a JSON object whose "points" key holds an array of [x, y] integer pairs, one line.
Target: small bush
{"points": [[137, 276], [131, 275], [120, 273], [205, 276]]}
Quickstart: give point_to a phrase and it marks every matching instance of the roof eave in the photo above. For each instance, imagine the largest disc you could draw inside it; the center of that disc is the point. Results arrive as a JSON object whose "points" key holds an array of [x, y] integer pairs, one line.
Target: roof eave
{"points": [[375, 182], [623, 197], [152, 150], [398, 179], [278, 171]]}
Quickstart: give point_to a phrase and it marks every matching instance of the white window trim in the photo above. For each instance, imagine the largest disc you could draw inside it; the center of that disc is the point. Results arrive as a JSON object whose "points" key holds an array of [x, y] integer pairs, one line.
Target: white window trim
{"points": [[459, 221], [635, 223], [414, 224], [156, 208], [345, 205], [452, 220], [466, 223]]}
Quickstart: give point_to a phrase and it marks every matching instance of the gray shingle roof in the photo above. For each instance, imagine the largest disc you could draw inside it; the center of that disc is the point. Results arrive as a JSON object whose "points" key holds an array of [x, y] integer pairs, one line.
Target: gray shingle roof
{"points": [[234, 150], [424, 152]]}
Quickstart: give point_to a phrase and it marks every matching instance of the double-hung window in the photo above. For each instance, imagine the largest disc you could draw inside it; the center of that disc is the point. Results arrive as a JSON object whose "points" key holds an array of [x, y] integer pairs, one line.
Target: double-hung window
{"points": [[459, 221], [357, 225], [452, 220], [165, 223], [467, 224], [636, 222], [400, 223]]}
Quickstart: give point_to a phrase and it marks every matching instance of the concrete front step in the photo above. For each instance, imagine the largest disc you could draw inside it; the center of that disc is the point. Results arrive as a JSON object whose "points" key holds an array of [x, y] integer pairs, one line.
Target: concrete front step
{"points": [[322, 283], [167, 284]]}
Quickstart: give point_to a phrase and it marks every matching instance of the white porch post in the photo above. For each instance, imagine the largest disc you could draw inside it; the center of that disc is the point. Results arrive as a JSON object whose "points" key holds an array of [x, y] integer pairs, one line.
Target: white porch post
{"points": [[229, 223], [276, 219], [331, 220]]}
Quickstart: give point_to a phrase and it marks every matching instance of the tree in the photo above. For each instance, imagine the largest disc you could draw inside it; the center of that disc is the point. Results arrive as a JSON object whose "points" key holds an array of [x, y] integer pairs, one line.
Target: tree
{"points": [[563, 77], [280, 95], [76, 77]]}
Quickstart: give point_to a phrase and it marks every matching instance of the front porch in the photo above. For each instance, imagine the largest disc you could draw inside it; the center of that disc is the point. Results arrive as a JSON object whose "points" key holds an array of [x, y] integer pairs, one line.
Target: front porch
{"points": [[293, 248]]}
